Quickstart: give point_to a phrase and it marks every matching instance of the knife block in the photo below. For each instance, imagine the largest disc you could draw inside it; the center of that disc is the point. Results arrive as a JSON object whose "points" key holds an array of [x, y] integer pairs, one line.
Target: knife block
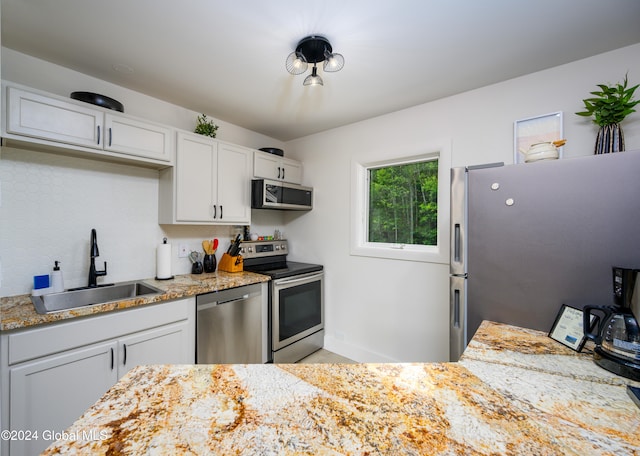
{"points": [[231, 264]]}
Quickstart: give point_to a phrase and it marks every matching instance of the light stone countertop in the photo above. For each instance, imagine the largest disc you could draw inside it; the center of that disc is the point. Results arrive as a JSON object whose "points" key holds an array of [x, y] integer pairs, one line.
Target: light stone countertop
{"points": [[18, 311], [514, 392]]}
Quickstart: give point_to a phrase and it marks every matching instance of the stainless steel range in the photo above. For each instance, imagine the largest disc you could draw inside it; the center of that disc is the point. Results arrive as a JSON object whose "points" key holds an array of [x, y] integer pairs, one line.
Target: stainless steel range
{"points": [[296, 299]]}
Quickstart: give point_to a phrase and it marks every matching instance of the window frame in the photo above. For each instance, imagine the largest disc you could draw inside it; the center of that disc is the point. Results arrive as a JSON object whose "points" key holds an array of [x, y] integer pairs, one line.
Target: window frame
{"points": [[360, 246]]}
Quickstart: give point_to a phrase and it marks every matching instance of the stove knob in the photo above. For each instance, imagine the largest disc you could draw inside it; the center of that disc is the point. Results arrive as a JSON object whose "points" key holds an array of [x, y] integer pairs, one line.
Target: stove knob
{"points": [[283, 246], [277, 248], [250, 249]]}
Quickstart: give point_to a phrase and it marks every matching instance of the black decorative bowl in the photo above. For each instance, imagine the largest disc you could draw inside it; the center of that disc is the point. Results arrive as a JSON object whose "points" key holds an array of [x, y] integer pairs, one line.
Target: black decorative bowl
{"points": [[98, 100], [273, 150]]}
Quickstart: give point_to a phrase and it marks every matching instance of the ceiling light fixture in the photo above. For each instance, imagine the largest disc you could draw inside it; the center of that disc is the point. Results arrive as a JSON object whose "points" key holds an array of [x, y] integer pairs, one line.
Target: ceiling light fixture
{"points": [[314, 49]]}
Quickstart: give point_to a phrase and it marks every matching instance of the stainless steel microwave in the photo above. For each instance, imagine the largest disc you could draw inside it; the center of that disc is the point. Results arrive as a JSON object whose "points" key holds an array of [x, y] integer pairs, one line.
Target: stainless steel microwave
{"points": [[269, 194]]}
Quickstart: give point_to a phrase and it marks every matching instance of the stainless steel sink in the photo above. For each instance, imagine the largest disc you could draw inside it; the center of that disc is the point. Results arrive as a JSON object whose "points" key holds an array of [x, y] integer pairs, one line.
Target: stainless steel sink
{"points": [[80, 297]]}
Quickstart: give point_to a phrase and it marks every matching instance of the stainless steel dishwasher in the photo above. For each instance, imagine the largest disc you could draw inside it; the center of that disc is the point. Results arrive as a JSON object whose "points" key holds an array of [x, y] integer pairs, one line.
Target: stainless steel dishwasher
{"points": [[232, 326]]}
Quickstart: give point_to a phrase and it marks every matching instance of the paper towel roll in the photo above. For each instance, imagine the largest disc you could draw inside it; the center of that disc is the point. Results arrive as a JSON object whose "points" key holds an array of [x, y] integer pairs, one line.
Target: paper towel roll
{"points": [[163, 261]]}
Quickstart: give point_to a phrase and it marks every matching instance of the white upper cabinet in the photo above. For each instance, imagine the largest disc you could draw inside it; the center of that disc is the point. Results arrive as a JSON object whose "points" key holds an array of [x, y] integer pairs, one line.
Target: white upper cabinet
{"points": [[140, 139], [234, 183], [38, 116], [274, 167], [75, 126], [210, 183]]}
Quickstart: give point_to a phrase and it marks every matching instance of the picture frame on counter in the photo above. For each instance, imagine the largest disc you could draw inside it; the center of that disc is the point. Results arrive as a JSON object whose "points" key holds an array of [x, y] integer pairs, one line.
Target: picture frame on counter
{"points": [[568, 327], [533, 130]]}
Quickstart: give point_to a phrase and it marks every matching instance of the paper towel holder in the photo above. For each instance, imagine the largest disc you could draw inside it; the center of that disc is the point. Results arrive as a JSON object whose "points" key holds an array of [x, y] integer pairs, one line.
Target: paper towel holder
{"points": [[164, 241]]}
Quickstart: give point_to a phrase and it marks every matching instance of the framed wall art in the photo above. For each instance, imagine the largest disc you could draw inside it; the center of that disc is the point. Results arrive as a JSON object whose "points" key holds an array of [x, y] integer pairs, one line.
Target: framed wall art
{"points": [[544, 128]]}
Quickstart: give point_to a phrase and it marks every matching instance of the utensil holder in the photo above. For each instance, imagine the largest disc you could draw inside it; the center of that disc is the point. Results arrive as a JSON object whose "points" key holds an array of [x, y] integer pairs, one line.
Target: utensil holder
{"points": [[231, 264], [209, 263]]}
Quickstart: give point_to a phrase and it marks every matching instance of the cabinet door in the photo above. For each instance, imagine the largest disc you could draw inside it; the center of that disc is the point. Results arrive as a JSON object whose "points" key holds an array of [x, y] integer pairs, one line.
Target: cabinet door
{"points": [[50, 394], [269, 166], [42, 117], [266, 165], [234, 184], [195, 191], [137, 138], [170, 344], [291, 171]]}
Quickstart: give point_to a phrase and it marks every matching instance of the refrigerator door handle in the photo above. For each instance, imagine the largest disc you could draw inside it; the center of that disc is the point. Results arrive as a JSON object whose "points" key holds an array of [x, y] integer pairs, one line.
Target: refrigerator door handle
{"points": [[457, 325], [457, 247], [456, 309], [458, 220]]}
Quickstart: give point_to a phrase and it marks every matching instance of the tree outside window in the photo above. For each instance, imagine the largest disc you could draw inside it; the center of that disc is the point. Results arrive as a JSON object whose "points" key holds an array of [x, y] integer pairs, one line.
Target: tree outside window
{"points": [[403, 203]]}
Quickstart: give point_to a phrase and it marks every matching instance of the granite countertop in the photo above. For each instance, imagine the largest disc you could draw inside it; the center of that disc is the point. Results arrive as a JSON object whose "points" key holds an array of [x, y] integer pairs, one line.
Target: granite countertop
{"points": [[18, 311], [515, 391]]}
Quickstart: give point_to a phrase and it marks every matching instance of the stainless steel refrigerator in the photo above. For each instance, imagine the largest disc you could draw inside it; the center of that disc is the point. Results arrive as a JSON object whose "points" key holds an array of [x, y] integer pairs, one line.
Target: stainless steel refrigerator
{"points": [[527, 238]]}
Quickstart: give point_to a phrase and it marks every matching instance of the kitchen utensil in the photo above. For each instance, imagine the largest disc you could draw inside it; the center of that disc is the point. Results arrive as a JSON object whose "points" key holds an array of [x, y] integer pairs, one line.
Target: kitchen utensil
{"points": [[618, 333], [207, 247], [235, 246], [215, 245]]}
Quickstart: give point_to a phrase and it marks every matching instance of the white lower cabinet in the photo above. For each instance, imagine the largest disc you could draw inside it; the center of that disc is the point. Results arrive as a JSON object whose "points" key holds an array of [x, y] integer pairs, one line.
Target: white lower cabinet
{"points": [[49, 395], [164, 345], [51, 375]]}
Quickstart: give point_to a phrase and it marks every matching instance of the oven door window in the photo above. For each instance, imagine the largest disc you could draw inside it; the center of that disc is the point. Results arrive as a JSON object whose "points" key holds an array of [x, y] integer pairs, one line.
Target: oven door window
{"points": [[300, 309]]}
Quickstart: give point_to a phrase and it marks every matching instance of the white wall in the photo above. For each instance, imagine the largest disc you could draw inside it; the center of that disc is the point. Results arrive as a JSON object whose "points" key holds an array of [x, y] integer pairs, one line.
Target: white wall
{"points": [[49, 203], [389, 310], [377, 310]]}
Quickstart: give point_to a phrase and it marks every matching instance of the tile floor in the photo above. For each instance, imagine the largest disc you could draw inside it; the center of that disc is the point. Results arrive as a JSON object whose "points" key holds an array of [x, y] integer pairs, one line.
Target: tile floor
{"points": [[323, 356]]}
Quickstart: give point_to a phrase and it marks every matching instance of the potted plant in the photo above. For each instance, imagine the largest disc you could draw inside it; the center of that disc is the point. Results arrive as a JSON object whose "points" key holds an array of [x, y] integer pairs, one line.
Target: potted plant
{"points": [[205, 126], [608, 107]]}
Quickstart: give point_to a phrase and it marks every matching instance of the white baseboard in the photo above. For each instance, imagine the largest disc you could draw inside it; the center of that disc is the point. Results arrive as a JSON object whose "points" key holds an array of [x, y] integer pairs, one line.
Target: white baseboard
{"points": [[354, 352]]}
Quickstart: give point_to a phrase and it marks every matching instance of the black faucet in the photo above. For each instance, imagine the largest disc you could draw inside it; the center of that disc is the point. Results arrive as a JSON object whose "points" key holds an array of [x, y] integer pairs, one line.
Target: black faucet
{"points": [[93, 273]]}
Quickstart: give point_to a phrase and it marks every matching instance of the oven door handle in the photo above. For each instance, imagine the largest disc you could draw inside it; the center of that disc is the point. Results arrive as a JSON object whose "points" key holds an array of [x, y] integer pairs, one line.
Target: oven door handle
{"points": [[307, 278]]}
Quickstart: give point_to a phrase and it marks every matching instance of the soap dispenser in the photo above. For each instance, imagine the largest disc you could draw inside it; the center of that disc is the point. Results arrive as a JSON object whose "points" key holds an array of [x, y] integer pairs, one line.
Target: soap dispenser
{"points": [[57, 283]]}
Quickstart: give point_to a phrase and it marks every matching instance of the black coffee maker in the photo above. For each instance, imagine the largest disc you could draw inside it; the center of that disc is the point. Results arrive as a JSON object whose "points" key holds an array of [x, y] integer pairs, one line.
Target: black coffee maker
{"points": [[618, 333]]}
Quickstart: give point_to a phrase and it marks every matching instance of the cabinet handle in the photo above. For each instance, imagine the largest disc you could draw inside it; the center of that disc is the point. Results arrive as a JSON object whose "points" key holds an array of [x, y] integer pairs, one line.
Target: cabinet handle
{"points": [[124, 361], [112, 359], [283, 173], [221, 211], [98, 134], [110, 136], [215, 211], [278, 172]]}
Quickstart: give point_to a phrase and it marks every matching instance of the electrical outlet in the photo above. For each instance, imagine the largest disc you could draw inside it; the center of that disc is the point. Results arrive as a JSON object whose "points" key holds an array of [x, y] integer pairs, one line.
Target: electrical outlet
{"points": [[183, 251]]}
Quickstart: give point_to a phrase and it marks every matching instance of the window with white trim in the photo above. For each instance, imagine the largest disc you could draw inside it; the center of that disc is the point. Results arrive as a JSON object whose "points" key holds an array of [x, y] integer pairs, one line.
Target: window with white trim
{"points": [[403, 203], [400, 207]]}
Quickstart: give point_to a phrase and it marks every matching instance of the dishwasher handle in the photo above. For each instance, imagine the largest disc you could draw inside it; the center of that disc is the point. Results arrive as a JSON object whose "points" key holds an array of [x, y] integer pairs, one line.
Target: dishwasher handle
{"points": [[228, 296], [209, 305]]}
